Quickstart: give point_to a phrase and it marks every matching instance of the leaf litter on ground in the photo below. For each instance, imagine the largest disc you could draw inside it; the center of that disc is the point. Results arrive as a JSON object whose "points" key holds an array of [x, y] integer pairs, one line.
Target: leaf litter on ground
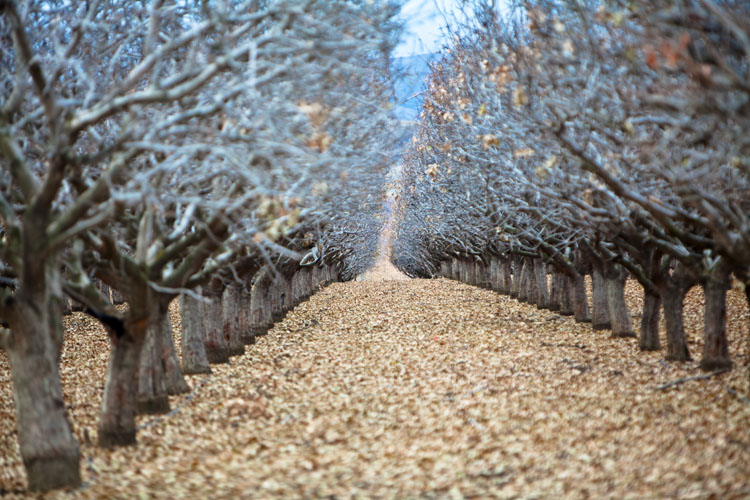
{"points": [[420, 389]]}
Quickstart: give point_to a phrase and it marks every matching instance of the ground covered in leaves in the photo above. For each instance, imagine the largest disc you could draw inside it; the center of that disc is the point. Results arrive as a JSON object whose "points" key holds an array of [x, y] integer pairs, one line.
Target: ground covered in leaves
{"points": [[421, 389]]}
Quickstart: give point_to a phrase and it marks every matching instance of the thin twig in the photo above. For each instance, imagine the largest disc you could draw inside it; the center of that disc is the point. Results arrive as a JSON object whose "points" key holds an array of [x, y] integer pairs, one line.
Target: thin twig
{"points": [[693, 377]]}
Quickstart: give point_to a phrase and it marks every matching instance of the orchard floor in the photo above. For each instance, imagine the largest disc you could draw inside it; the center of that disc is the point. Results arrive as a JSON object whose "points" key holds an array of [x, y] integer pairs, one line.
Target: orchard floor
{"points": [[421, 389]]}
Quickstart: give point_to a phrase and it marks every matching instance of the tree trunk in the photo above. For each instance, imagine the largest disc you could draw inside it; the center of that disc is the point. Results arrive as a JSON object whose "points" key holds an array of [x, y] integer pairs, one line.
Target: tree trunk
{"points": [[618, 310], [152, 390], [523, 281], [673, 295], [217, 347], [445, 267], [231, 321], [173, 377], [715, 347], [480, 275], [555, 291], [566, 295], [48, 448], [455, 269], [117, 297], [117, 421], [515, 285], [600, 319], [580, 301], [278, 297], [467, 274], [494, 274], [650, 322], [246, 333], [542, 297], [505, 276], [260, 303], [194, 359]]}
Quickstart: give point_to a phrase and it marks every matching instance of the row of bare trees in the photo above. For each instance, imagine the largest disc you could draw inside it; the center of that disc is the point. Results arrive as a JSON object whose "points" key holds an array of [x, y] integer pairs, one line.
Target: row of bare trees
{"points": [[608, 139], [219, 150]]}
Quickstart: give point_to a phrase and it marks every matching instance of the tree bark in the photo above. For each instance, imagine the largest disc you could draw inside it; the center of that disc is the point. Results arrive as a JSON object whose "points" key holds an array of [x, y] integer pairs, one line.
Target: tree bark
{"points": [[445, 269], [555, 291], [650, 322], [260, 303], [117, 297], [618, 310], [466, 269], [494, 274], [278, 297], [566, 295], [505, 276], [194, 359], [117, 421], [152, 389], [600, 318], [175, 380], [217, 347], [523, 281], [246, 332], [48, 448], [515, 288], [231, 320], [715, 347], [542, 297], [674, 289], [455, 269], [580, 301]]}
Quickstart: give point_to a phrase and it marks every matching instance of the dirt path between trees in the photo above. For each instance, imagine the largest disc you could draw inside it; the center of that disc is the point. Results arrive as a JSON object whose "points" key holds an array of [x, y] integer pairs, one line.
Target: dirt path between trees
{"points": [[419, 389]]}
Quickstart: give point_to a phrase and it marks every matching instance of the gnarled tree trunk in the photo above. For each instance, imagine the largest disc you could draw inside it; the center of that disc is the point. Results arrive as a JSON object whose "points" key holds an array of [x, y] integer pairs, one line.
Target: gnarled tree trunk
{"points": [[674, 289], [566, 295], [260, 303], [715, 346], [542, 297], [580, 300], [524, 280], [649, 340], [445, 269], [600, 319], [48, 448], [246, 334], [117, 421], [152, 389], [217, 347], [618, 310], [194, 359], [231, 319], [515, 288]]}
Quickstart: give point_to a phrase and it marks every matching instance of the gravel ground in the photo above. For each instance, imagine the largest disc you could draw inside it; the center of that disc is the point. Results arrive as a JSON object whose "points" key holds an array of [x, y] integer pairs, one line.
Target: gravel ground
{"points": [[421, 389]]}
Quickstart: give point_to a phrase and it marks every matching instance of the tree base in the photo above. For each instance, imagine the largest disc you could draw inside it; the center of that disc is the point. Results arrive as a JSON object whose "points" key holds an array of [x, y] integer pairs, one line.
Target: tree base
{"points": [[566, 313], [180, 387], [601, 326], [237, 351], [259, 331], [196, 370], [46, 474], [678, 357], [713, 364], [249, 338], [153, 406], [113, 439], [624, 335], [649, 347], [216, 356]]}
